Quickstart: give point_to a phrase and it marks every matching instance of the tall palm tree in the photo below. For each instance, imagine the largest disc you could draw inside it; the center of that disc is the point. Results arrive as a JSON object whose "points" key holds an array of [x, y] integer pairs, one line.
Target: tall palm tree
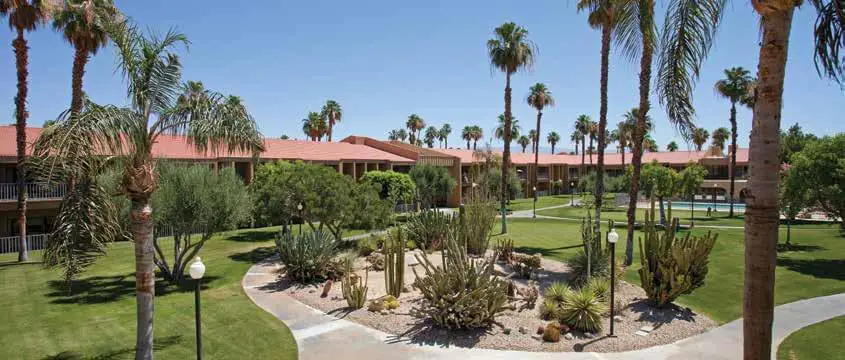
{"points": [[314, 126], [576, 138], [523, 141], [393, 135], [499, 133], [83, 24], [466, 134], [735, 87], [582, 126], [477, 134], [331, 113], [592, 134], [699, 138], [414, 124], [553, 138], [401, 134], [602, 15], [532, 135], [539, 97], [720, 136], [24, 16], [509, 51], [649, 144], [443, 134], [152, 72], [672, 146], [431, 134], [622, 134]]}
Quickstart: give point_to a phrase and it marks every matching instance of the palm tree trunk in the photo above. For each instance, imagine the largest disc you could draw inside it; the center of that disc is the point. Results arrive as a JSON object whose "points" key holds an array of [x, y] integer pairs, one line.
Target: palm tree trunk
{"points": [[622, 151], [605, 64], [537, 152], [583, 153], [732, 168], [331, 126], [590, 149], [761, 215], [553, 148], [506, 154], [142, 232], [637, 151], [79, 60], [21, 64]]}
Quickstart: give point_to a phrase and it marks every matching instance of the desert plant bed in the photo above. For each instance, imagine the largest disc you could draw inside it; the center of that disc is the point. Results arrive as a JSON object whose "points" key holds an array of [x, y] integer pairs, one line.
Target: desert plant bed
{"points": [[514, 329]]}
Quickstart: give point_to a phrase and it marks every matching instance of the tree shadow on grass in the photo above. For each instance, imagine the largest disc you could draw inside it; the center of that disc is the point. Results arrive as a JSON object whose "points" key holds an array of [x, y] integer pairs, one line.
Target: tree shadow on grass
{"points": [[158, 344], [427, 332], [546, 252], [12, 264], [799, 248], [255, 256], [104, 289], [254, 236], [818, 268]]}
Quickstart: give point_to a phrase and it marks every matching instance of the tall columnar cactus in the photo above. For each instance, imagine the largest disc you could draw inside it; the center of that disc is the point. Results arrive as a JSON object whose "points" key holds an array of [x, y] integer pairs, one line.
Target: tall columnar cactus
{"points": [[592, 243], [672, 266], [355, 291], [394, 267]]}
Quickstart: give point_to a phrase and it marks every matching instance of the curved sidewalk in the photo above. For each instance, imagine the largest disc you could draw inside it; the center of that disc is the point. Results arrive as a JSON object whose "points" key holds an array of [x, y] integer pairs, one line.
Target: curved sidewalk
{"points": [[320, 336]]}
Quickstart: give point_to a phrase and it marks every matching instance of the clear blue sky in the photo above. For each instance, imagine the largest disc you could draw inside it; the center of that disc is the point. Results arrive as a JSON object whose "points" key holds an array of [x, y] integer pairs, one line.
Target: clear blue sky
{"points": [[385, 60]]}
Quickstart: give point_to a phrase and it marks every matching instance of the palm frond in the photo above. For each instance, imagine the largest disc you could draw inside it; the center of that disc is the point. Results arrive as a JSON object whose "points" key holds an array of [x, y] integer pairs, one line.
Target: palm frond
{"points": [[215, 124], [634, 27], [829, 32], [688, 33]]}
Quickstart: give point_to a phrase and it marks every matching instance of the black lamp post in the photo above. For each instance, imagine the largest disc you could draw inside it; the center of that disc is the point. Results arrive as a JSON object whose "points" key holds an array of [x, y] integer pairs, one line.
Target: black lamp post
{"points": [[197, 270], [714, 196], [571, 193], [534, 212], [612, 238], [299, 207]]}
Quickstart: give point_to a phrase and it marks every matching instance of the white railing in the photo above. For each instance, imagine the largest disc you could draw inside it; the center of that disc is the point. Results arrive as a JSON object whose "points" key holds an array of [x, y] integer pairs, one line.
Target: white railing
{"points": [[12, 244], [35, 191]]}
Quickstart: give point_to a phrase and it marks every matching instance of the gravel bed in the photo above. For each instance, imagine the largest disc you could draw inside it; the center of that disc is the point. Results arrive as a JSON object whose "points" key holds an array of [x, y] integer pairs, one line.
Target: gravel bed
{"points": [[670, 324]]}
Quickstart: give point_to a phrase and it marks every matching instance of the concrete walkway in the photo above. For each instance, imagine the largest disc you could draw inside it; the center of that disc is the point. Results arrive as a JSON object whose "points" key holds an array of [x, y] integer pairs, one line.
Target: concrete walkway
{"points": [[320, 336]]}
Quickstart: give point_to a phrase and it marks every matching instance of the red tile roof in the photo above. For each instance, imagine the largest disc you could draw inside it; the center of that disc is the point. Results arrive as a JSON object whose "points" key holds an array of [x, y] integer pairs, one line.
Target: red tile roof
{"points": [[177, 147]]}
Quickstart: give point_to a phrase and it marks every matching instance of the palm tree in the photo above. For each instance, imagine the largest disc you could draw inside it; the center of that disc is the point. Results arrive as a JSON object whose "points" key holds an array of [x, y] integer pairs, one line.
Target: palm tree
{"points": [[602, 15], [466, 134], [649, 144], [735, 87], [509, 51], [83, 24], [331, 114], [431, 135], [672, 146], [314, 126], [532, 134], [553, 138], [401, 134], [523, 141], [622, 134], [393, 135], [24, 16], [499, 133], [539, 97], [699, 138], [443, 134], [576, 138], [720, 136], [582, 126], [592, 132], [477, 134], [414, 124], [152, 72]]}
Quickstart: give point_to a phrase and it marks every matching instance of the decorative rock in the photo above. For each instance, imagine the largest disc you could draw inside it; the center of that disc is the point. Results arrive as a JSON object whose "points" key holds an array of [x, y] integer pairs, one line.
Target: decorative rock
{"points": [[312, 291], [523, 330], [506, 331], [617, 318], [537, 337], [406, 289], [568, 336], [384, 312], [647, 328], [589, 335], [641, 333]]}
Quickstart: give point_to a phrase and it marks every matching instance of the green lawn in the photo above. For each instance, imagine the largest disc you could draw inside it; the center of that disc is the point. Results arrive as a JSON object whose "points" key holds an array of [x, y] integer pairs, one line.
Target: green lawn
{"points": [[98, 319], [815, 267], [619, 214], [818, 341], [542, 201]]}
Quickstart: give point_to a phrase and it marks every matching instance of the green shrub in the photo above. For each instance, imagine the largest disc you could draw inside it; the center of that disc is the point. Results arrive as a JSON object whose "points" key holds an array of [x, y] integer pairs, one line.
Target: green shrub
{"points": [[461, 293], [525, 265], [582, 310], [672, 266], [365, 246], [552, 332], [429, 228], [308, 256]]}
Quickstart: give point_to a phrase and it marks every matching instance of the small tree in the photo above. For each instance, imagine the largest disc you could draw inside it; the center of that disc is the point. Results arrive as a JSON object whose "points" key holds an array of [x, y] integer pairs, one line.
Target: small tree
{"points": [[794, 197], [820, 166], [660, 182], [432, 183], [195, 204], [689, 181]]}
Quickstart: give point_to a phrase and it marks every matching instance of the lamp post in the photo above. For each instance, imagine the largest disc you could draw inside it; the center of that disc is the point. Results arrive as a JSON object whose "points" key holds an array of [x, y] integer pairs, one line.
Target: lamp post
{"points": [[571, 193], [612, 238], [714, 196], [534, 212], [299, 207], [197, 270]]}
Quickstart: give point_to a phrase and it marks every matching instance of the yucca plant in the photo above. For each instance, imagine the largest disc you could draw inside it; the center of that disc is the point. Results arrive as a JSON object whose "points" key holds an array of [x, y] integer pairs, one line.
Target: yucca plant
{"points": [[582, 310], [308, 256]]}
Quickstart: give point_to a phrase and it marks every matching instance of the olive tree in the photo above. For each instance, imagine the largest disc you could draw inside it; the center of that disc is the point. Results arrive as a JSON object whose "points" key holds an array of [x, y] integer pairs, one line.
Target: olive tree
{"points": [[432, 182], [194, 203]]}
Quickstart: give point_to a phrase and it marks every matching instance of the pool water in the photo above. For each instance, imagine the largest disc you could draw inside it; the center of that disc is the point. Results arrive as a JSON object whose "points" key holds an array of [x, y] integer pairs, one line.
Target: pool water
{"points": [[703, 205]]}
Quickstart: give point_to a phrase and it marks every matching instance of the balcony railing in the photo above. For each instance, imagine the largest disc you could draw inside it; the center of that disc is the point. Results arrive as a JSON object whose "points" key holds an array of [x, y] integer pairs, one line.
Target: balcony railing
{"points": [[35, 191]]}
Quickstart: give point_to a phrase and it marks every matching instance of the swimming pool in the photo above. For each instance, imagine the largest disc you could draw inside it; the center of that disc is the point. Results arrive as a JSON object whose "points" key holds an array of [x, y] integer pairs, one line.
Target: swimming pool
{"points": [[703, 205]]}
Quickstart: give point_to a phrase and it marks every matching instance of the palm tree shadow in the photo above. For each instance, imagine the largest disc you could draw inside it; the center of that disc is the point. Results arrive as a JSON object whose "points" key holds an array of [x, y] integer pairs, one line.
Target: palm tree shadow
{"points": [[254, 256], [253, 236], [158, 344], [818, 268], [660, 316], [105, 289], [427, 332], [546, 252], [799, 248]]}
